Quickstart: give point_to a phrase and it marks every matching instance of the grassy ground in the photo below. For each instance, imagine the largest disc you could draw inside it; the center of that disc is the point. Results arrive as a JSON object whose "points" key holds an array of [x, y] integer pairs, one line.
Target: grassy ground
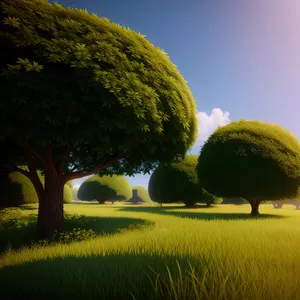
{"points": [[144, 252]]}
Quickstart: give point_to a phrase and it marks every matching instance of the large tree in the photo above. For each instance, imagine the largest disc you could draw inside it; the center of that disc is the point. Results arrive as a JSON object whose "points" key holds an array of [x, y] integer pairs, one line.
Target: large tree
{"points": [[252, 160], [105, 188], [81, 95], [176, 182]]}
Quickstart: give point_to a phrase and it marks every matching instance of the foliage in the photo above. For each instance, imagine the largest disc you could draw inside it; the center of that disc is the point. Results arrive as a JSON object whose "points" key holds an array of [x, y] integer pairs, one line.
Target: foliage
{"points": [[103, 188], [142, 195], [67, 237], [252, 160], [74, 193], [70, 184], [129, 99], [209, 199], [67, 194], [82, 95], [27, 191], [176, 182]]}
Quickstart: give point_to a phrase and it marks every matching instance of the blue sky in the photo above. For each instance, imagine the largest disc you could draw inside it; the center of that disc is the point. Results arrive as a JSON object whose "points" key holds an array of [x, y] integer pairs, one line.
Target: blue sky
{"points": [[241, 58]]}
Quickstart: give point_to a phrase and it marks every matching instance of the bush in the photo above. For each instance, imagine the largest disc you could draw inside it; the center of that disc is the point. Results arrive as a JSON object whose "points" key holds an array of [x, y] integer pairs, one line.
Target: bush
{"points": [[105, 188], [74, 193], [67, 194], [26, 191]]}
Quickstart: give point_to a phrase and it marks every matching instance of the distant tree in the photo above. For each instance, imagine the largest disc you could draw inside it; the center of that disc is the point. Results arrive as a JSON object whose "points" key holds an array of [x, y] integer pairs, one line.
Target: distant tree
{"points": [[279, 203], [74, 193], [140, 195], [67, 194], [70, 184], [252, 160], [81, 95], [209, 199], [176, 182], [105, 188]]}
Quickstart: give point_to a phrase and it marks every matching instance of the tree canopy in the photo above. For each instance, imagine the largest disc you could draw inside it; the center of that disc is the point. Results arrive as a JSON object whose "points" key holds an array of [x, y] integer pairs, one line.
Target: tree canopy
{"points": [[252, 160], [140, 195], [74, 193], [67, 194], [81, 95], [176, 182], [104, 188], [127, 91], [70, 184], [209, 199]]}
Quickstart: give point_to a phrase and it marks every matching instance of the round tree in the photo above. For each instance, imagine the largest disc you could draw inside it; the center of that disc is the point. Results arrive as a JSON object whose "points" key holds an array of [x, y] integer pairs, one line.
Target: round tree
{"points": [[74, 193], [176, 182], [140, 195], [251, 160], [70, 184], [25, 192], [82, 95], [67, 194], [105, 188]]}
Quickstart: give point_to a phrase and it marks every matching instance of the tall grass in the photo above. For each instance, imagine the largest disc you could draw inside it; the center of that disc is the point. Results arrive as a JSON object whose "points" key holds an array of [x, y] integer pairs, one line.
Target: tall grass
{"points": [[169, 253]]}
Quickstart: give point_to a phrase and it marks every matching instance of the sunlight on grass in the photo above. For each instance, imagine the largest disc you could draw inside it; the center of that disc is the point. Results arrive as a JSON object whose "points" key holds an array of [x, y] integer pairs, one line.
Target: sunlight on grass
{"points": [[199, 253]]}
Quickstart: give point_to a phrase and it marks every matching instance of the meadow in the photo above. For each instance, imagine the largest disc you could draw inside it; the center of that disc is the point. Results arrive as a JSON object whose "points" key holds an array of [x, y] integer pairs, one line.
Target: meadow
{"points": [[150, 252]]}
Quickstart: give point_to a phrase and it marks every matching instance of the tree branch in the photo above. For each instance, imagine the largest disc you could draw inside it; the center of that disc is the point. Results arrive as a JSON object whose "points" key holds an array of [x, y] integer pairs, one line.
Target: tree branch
{"points": [[105, 165], [17, 169], [33, 176], [60, 167], [31, 149]]}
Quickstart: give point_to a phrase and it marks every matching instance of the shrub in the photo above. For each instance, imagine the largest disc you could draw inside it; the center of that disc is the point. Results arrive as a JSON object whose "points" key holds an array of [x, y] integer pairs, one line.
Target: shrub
{"points": [[105, 188], [67, 194]]}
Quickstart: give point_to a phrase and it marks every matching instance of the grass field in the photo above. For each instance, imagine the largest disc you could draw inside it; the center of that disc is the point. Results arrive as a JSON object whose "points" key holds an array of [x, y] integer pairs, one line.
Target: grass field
{"points": [[144, 252]]}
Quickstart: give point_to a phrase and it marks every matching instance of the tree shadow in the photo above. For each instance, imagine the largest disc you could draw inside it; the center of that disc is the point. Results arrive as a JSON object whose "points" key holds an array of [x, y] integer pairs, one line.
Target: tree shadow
{"points": [[209, 215], [113, 276], [20, 231]]}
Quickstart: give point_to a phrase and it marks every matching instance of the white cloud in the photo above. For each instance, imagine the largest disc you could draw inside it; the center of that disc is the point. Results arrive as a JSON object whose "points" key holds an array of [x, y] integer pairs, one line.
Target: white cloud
{"points": [[207, 124]]}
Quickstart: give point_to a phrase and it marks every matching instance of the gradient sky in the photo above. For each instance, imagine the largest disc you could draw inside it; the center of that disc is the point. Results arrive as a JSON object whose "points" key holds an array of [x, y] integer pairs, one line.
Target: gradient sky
{"points": [[241, 58]]}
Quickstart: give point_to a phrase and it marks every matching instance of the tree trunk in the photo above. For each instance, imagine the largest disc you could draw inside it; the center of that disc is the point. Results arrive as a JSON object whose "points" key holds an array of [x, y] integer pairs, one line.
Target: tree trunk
{"points": [[51, 210], [189, 204], [254, 207], [101, 200]]}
